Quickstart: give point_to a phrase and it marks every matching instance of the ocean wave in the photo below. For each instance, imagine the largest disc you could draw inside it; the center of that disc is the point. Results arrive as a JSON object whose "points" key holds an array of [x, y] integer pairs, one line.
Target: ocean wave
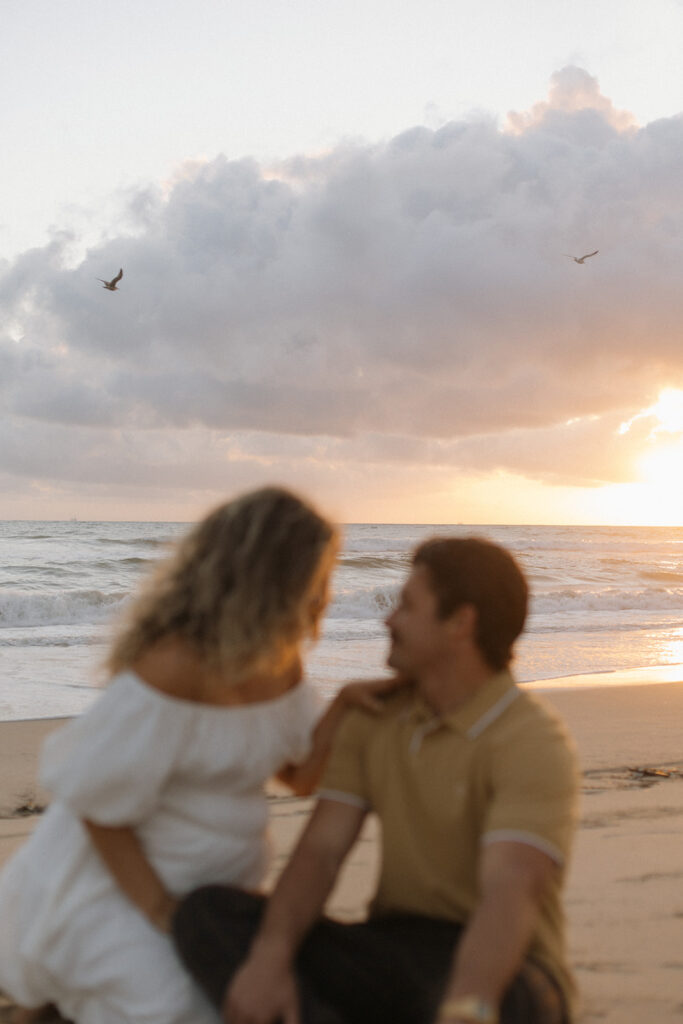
{"points": [[663, 576], [377, 602], [381, 562], [146, 542], [364, 603], [116, 563], [591, 546], [29, 536], [49, 640], [21, 608], [609, 600], [40, 570], [76, 607]]}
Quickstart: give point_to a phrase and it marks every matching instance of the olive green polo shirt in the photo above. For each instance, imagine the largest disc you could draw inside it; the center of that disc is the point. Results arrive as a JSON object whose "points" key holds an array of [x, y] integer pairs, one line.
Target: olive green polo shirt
{"points": [[501, 768]]}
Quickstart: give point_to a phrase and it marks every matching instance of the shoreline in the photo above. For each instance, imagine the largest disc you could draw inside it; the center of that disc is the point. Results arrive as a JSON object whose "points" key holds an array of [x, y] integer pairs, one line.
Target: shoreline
{"points": [[649, 675], [624, 897], [21, 738]]}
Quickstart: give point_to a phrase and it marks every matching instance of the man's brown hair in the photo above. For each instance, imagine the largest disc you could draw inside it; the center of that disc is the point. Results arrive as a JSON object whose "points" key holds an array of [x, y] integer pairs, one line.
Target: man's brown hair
{"points": [[468, 570]]}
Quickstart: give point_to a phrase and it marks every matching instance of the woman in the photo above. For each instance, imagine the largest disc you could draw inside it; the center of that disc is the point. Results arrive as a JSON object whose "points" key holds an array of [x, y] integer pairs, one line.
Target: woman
{"points": [[159, 787]]}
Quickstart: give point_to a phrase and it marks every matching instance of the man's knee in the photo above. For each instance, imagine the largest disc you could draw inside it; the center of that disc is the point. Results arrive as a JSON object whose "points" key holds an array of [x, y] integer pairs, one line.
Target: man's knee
{"points": [[203, 907], [194, 916], [212, 929]]}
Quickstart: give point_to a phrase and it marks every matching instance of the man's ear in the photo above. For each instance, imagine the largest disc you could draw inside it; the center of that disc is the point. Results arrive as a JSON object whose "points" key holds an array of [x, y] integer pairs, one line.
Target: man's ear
{"points": [[463, 621]]}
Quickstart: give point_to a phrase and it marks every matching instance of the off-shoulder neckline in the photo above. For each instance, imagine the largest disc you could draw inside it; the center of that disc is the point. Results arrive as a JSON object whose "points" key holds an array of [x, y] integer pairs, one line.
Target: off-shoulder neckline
{"points": [[183, 702]]}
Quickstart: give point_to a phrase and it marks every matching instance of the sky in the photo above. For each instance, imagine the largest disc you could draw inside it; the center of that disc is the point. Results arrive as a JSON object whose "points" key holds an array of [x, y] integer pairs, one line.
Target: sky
{"points": [[345, 232]]}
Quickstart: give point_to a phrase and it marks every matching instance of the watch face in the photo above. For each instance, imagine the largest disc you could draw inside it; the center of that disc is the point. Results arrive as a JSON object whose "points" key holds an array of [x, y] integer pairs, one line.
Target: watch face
{"points": [[471, 1008]]}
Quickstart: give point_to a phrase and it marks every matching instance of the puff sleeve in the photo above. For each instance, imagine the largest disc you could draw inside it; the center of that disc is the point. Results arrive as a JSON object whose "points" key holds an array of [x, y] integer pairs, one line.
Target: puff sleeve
{"points": [[110, 764]]}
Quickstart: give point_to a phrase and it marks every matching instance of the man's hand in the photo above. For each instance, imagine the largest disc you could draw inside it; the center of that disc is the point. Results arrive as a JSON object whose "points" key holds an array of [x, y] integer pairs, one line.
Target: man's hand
{"points": [[264, 990], [260, 994]]}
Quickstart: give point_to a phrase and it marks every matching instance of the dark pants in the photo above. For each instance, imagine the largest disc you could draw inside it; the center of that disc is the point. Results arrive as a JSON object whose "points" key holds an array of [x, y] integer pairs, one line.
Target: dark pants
{"points": [[388, 970]]}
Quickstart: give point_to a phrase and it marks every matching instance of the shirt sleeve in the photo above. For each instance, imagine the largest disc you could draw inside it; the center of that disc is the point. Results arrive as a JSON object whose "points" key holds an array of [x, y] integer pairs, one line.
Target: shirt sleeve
{"points": [[110, 764], [344, 778], [535, 791]]}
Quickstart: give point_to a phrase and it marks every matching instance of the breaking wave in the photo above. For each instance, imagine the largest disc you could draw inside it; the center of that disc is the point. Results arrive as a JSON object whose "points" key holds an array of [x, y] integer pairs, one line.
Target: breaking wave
{"points": [[76, 607]]}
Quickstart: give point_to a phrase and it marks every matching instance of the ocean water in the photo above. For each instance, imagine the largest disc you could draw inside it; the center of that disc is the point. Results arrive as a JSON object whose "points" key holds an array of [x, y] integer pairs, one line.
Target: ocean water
{"points": [[603, 599]]}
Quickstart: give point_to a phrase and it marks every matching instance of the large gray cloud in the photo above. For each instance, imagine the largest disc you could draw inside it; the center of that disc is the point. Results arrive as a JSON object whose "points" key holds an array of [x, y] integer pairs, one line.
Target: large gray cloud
{"points": [[406, 301]]}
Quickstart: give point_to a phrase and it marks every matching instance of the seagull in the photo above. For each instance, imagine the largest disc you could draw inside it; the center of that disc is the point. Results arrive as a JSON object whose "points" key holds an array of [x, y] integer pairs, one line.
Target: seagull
{"points": [[111, 285], [581, 259]]}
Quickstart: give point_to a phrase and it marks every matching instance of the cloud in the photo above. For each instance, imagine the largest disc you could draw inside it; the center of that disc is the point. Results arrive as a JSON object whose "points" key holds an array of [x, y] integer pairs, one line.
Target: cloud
{"points": [[408, 301], [573, 90]]}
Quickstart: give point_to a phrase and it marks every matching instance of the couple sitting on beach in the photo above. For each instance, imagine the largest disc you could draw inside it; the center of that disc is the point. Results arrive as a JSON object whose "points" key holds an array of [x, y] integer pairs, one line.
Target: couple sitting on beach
{"points": [[158, 789]]}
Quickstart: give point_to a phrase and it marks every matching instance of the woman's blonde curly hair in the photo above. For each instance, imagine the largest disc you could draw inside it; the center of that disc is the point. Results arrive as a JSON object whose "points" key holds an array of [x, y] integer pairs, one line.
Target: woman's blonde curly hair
{"points": [[237, 587]]}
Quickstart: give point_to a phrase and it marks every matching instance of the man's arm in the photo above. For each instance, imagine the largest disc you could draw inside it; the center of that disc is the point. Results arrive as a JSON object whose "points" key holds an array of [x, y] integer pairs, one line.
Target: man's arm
{"points": [[264, 989], [512, 880]]}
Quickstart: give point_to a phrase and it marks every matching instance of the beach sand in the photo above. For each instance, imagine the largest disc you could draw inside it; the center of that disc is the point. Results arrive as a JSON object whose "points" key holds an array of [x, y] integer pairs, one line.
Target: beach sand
{"points": [[625, 887]]}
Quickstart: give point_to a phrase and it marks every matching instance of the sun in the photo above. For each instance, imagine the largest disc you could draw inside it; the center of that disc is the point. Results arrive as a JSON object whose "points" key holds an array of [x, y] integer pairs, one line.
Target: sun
{"points": [[667, 411], [662, 464], [655, 497], [660, 467]]}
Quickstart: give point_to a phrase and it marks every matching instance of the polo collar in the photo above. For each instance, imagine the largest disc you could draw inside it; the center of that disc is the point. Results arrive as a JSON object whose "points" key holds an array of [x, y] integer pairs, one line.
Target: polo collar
{"points": [[483, 708]]}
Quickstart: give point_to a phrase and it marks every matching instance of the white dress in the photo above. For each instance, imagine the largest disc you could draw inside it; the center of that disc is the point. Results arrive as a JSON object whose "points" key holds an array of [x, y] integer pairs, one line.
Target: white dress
{"points": [[190, 778]]}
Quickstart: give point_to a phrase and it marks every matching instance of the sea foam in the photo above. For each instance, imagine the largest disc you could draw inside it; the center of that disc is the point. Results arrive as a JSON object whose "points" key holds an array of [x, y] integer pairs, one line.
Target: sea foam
{"points": [[76, 607]]}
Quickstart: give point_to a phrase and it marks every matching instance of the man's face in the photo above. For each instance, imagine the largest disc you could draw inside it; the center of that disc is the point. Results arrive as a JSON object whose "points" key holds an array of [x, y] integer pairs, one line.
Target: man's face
{"points": [[419, 638]]}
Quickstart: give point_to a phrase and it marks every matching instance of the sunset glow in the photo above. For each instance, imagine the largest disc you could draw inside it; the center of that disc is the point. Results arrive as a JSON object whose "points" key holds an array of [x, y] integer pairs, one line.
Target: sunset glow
{"points": [[366, 297], [656, 497], [663, 467], [667, 412], [636, 504]]}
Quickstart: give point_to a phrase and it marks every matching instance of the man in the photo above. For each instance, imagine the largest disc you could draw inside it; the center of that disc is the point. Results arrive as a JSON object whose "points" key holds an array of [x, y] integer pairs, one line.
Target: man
{"points": [[474, 783]]}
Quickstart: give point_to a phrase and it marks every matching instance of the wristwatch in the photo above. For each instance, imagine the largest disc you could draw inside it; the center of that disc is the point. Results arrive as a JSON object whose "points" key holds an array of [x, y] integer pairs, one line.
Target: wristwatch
{"points": [[469, 1008]]}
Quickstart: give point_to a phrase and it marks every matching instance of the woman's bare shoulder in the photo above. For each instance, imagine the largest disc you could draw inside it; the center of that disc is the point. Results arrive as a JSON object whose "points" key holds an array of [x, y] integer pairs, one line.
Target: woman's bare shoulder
{"points": [[173, 668]]}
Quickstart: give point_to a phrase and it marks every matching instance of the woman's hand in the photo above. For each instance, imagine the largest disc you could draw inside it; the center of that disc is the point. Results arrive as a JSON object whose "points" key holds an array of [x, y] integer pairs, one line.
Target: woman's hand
{"points": [[367, 694], [303, 778], [161, 915]]}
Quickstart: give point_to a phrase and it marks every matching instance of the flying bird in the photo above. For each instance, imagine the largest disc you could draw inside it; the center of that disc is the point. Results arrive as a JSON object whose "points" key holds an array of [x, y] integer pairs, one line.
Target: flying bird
{"points": [[111, 285], [581, 259]]}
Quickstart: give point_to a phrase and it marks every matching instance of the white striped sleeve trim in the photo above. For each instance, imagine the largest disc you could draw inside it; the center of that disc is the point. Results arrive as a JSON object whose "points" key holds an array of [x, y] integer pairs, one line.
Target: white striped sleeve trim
{"points": [[343, 798], [512, 835]]}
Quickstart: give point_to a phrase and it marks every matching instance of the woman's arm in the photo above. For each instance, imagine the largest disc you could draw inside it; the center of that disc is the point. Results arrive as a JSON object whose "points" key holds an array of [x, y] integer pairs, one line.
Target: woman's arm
{"points": [[122, 852], [304, 777]]}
